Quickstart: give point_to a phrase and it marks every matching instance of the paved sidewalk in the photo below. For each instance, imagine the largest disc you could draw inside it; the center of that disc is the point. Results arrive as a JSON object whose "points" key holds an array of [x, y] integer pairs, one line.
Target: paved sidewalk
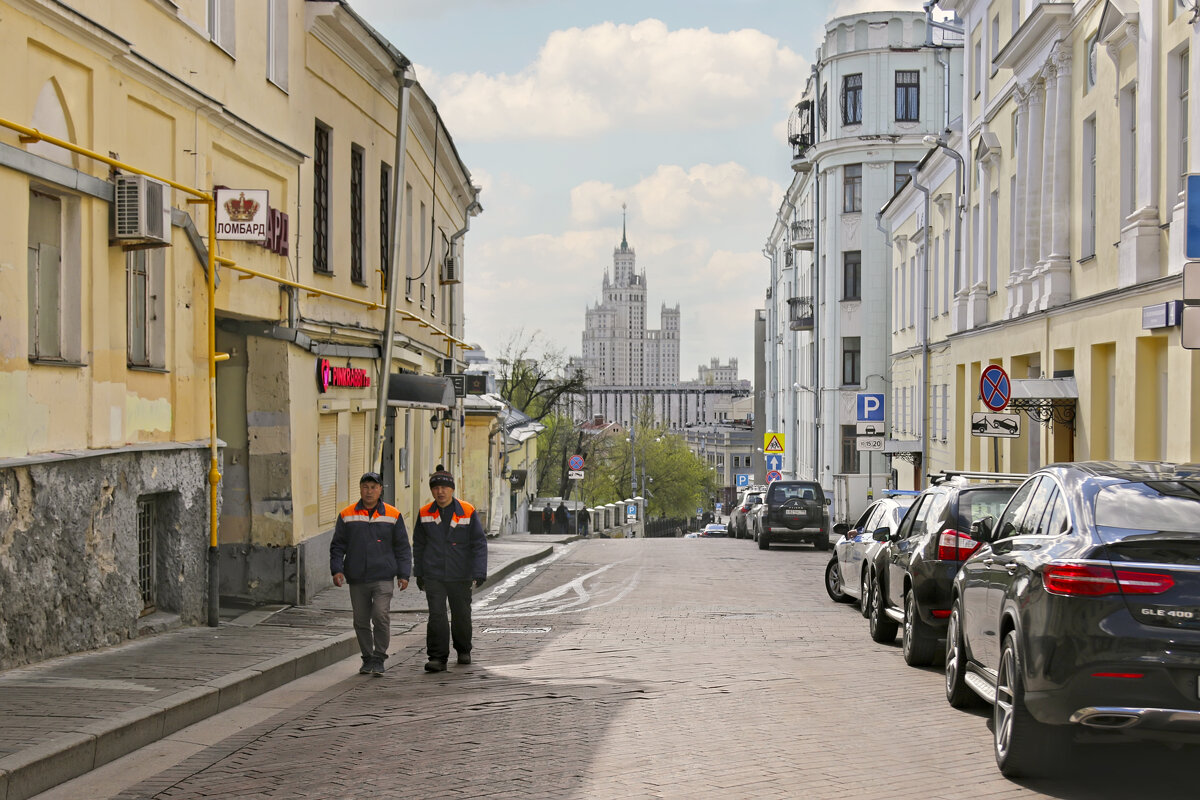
{"points": [[67, 716]]}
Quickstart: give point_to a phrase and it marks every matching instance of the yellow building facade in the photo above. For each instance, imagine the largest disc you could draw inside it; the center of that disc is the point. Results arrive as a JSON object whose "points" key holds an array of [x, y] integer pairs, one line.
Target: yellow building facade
{"points": [[104, 424], [1071, 228]]}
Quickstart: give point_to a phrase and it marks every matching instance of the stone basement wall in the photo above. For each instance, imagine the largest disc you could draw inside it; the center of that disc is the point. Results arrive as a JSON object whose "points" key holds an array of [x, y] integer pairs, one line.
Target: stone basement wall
{"points": [[69, 547]]}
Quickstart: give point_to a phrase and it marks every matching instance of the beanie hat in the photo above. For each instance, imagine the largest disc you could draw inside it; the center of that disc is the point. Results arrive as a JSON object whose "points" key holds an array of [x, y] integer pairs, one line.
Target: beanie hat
{"points": [[441, 477]]}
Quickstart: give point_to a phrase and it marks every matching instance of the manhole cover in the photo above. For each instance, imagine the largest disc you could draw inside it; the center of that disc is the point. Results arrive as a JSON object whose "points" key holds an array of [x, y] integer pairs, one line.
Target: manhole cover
{"points": [[516, 630]]}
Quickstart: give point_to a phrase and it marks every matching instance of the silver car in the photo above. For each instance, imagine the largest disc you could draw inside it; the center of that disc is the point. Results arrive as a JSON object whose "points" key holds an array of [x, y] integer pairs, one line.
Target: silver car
{"points": [[848, 570]]}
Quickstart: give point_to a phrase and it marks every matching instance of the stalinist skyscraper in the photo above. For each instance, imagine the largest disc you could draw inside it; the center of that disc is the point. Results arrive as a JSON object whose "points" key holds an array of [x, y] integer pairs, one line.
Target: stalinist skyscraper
{"points": [[618, 350]]}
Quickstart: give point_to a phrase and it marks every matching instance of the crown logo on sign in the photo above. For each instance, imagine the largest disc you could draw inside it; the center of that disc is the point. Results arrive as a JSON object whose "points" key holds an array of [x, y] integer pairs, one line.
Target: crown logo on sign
{"points": [[241, 209]]}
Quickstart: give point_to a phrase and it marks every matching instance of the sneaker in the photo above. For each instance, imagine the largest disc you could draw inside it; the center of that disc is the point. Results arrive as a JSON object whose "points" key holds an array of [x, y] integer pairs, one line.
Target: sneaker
{"points": [[365, 669], [434, 665], [377, 668], [464, 658]]}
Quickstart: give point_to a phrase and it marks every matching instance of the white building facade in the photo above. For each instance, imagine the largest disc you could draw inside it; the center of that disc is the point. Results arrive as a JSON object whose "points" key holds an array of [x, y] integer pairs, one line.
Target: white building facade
{"points": [[877, 90]]}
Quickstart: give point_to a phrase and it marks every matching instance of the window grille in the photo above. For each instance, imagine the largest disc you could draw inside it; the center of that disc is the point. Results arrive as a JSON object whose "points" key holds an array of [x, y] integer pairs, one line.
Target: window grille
{"points": [[356, 215], [908, 96], [147, 530], [852, 99], [321, 199]]}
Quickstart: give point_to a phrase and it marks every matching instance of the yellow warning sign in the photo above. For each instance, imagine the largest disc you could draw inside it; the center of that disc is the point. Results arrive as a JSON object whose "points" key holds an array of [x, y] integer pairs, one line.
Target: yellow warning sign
{"points": [[773, 442]]}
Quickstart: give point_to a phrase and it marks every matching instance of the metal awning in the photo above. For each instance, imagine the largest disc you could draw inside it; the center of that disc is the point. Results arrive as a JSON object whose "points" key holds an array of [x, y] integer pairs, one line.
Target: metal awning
{"points": [[420, 391], [905, 449], [1045, 399]]}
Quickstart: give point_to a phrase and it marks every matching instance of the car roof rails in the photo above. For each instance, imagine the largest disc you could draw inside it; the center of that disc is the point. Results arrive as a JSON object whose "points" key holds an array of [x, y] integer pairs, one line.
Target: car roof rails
{"points": [[963, 475]]}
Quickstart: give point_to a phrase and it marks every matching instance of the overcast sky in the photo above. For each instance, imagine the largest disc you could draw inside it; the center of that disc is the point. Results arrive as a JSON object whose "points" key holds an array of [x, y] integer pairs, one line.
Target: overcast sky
{"points": [[565, 109]]}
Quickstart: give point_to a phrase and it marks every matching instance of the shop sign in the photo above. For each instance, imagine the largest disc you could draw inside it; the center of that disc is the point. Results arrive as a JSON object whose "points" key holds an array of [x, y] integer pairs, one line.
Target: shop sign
{"points": [[329, 375]]}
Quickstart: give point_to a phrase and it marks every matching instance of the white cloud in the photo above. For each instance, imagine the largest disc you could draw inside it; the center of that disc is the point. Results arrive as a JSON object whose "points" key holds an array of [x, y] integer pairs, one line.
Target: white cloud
{"points": [[674, 198], [589, 81]]}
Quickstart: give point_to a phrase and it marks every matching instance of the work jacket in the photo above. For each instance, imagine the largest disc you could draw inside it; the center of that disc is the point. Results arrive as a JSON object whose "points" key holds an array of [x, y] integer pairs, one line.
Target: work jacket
{"points": [[455, 552], [370, 545]]}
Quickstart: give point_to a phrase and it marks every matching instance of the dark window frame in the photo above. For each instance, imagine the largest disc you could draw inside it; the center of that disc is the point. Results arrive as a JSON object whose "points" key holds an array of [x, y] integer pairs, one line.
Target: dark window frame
{"points": [[908, 95], [852, 188], [321, 139], [385, 221], [852, 99], [358, 158], [852, 275], [851, 361]]}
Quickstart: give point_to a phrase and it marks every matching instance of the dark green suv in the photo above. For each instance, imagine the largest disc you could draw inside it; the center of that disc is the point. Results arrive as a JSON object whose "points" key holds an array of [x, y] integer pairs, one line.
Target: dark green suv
{"points": [[793, 512]]}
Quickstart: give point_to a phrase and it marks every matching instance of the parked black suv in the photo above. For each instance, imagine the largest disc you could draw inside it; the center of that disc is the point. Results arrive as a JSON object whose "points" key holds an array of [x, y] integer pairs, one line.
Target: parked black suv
{"points": [[793, 512], [1082, 610], [911, 575]]}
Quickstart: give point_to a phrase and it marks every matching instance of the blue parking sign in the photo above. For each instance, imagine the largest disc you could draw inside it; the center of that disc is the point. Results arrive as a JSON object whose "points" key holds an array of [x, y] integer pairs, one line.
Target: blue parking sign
{"points": [[742, 480], [1191, 215], [870, 407]]}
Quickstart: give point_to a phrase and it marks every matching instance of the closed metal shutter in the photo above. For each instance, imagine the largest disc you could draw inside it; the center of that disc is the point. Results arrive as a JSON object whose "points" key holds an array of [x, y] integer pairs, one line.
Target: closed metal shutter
{"points": [[326, 468], [358, 453]]}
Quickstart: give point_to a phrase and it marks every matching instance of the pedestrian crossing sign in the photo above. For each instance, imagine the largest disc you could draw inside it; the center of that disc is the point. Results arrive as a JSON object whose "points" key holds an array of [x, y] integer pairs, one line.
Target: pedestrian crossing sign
{"points": [[773, 442]]}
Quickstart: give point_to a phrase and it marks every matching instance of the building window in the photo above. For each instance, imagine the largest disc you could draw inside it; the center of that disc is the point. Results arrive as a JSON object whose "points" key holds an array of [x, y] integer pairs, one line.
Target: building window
{"points": [[994, 241], [277, 43], [147, 542], [408, 241], [385, 221], [1088, 206], [977, 67], [849, 450], [1128, 150], [908, 96], [222, 25], [356, 214], [852, 188], [824, 111], [53, 262], [421, 253], [852, 99], [852, 275], [1184, 66], [995, 45], [900, 175], [145, 329], [321, 199], [851, 360]]}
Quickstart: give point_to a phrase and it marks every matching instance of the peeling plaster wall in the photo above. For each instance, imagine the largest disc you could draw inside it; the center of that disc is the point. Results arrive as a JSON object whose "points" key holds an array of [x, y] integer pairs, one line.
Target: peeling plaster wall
{"points": [[69, 548]]}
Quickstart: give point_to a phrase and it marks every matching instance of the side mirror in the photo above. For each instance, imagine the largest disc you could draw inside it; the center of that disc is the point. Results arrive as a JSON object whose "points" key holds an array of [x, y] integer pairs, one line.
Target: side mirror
{"points": [[828, 501], [841, 529], [981, 529], [880, 534]]}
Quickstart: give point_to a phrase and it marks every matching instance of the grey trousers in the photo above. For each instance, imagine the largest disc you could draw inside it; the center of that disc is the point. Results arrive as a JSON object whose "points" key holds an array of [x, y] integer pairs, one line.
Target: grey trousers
{"points": [[372, 603]]}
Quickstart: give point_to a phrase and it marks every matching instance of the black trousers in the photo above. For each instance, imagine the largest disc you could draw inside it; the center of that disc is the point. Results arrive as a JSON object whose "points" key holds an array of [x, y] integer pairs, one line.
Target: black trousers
{"points": [[441, 631]]}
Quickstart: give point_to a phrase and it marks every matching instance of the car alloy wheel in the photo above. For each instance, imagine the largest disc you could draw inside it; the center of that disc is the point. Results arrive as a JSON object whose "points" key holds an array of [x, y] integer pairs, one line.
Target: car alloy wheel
{"points": [[833, 582], [918, 642], [1024, 747], [883, 627], [864, 594], [958, 694]]}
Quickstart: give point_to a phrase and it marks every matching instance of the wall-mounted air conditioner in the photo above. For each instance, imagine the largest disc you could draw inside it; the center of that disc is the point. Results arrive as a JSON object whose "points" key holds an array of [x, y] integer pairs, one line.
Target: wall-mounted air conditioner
{"points": [[141, 211], [451, 269]]}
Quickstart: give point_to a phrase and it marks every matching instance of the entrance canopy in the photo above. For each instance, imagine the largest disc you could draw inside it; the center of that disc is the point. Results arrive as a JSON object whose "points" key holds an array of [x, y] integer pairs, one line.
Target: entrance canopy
{"points": [[420, 391]]}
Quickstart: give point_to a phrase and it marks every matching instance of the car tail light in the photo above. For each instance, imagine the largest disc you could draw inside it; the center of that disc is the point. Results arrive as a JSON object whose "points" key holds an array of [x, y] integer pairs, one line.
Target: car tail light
{"points": [[955, 545], [1127, 675], [1091, 580]]}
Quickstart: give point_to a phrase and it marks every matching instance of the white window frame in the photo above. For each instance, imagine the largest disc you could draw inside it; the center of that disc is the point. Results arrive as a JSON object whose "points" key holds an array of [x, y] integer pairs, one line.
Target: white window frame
{"points": [[145, 328], [277, 43], [222, 25], [55, 269], [1087, 206]]}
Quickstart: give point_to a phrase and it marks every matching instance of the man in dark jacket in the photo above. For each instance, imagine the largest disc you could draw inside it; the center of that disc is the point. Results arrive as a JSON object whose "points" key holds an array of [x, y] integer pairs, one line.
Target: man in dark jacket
{"points": [[449, 560], [369, 548], [560, 518]]}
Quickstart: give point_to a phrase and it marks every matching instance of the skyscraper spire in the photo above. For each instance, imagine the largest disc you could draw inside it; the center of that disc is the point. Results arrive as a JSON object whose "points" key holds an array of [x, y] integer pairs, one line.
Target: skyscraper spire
{"points": [[624, 243]]}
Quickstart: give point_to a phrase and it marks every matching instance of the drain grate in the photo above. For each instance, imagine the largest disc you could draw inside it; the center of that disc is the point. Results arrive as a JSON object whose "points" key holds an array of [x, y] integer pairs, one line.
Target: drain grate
{"points": [[516, 630]]}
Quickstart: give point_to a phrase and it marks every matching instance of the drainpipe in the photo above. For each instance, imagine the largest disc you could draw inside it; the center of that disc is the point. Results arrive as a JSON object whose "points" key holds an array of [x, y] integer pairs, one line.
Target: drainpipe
{"points": [[963, 200], [403, 83], [924, 328]]}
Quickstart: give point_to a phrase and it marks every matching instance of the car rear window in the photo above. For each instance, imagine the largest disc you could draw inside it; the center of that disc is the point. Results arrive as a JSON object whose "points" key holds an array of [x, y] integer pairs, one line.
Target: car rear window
{"points": [[975, 504], [779, 493], [1150, 506]]}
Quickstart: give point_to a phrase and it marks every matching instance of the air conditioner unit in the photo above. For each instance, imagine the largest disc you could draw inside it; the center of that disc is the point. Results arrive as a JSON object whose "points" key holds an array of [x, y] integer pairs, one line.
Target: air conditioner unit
{"points": [[141, 211], [451, 270]]}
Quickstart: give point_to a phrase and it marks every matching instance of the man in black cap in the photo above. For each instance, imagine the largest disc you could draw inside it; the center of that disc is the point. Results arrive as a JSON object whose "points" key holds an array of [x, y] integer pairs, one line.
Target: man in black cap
{"points": [[449, 560], [369, 548]]}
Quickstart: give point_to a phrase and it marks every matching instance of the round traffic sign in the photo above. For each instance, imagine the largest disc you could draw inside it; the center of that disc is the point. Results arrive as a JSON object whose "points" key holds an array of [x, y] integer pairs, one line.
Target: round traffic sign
{"points": [[575, 462], [994, 387], [774, 475]]}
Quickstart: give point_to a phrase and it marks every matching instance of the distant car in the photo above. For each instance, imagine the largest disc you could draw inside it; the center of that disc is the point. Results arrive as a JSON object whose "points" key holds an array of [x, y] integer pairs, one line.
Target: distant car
{"points": [[912, 574], [1081, 610], [714, 531], [1005, 425], [739, 515], [848, 574], [793, 512]]}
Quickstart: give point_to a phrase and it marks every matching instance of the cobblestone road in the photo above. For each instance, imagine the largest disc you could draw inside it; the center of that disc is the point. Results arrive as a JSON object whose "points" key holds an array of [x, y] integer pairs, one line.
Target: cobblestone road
{"points": [[653, 668]]}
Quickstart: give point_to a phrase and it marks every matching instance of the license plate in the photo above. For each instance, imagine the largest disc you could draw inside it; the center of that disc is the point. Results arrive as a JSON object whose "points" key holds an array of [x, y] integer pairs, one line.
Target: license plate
{"points": [[795, 512]]}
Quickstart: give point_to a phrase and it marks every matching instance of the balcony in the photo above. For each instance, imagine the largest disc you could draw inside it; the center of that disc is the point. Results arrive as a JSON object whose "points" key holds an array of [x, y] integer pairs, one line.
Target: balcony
{"points": [[800, 313], [802, 234], [800, 135]]}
